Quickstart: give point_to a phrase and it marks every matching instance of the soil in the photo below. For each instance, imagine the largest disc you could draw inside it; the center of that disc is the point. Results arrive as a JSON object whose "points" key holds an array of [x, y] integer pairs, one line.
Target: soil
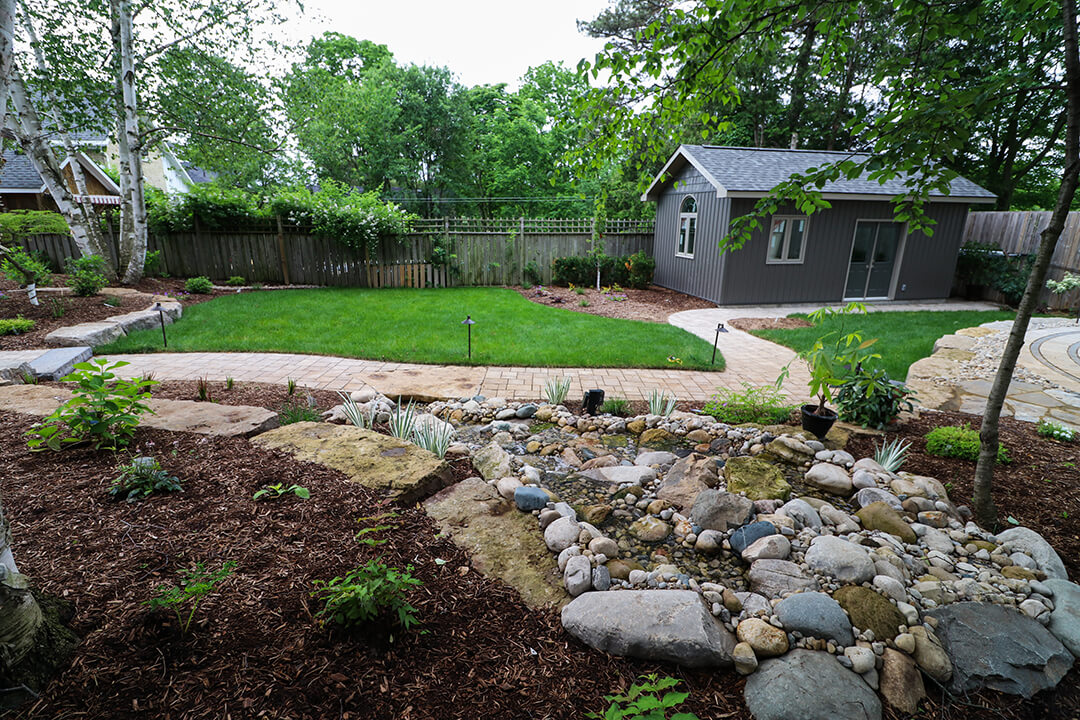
{"points": [[762, 323], [265, 395], [652, 305], [256, 648]]}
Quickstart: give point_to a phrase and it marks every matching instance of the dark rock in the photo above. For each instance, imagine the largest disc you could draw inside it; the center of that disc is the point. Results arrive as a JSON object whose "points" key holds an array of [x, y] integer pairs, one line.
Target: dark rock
{"points": [[817, 615], [809, 685], [743, 537]]}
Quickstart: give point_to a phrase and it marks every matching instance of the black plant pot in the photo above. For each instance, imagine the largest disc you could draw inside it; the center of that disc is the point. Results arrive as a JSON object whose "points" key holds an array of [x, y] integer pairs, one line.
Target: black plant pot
{"points": [[817, 424]]}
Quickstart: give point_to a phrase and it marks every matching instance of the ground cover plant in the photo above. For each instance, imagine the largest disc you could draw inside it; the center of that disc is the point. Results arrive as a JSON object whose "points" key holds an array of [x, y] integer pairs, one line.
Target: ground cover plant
{"points": [[424, 326], [903, 337], [959, 442]]}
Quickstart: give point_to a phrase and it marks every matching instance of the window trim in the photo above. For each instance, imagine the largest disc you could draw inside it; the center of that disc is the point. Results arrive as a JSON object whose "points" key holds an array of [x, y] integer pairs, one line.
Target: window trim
{"points": [[787, 240], [693, 217]]}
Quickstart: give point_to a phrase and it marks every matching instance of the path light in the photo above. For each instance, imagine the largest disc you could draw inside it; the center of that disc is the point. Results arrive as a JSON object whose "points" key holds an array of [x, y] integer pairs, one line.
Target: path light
{"points": [[719, 329], [469, 322], [161, 317]]}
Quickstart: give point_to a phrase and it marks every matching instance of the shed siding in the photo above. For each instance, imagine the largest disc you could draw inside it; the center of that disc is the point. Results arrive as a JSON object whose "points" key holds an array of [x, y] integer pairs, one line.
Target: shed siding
{"points": [[699, 276], [930, 262]]}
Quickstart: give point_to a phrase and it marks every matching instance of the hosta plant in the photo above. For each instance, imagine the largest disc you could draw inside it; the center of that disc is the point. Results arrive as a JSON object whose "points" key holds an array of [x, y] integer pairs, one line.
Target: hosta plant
{"points": [[141, 478]]}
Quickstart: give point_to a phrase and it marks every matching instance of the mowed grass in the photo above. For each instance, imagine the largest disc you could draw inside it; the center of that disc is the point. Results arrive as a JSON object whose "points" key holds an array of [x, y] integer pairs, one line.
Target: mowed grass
{"points": [[421, 326], [903, 337]]}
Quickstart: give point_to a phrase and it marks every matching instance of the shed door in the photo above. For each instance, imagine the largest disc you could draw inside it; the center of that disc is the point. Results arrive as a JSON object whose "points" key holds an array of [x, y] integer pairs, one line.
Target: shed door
{"points": [[873, 259]]}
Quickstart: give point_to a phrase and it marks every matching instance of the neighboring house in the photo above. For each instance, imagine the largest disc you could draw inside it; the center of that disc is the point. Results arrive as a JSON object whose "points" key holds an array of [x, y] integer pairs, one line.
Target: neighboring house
{"points": [[852, 251], [160, 166], [21, 187]]}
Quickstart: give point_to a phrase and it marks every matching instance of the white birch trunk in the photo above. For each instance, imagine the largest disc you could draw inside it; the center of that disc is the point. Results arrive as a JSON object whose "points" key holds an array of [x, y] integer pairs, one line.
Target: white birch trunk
{"points": [[133, 244]]}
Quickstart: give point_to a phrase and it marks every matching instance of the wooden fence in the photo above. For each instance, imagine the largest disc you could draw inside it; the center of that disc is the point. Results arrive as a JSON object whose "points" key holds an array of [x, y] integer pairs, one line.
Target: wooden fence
{"points": [[477, 252], [1017, 233]]}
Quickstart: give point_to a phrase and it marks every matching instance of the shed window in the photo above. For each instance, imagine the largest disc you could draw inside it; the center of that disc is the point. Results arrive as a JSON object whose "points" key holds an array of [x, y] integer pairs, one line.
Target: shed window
{"points": [[787, 240], [687, 227]]}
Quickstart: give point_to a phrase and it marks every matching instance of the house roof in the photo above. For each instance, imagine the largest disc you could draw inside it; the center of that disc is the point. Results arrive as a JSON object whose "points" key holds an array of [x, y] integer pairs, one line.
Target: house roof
{"points": [[197, 174], [18, 174], [753, 172]]}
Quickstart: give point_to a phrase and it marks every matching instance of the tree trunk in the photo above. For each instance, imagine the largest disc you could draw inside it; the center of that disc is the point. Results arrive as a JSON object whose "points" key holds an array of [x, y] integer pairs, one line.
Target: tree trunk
{"points": [[132, 230], [799, 82], [985, 511]]}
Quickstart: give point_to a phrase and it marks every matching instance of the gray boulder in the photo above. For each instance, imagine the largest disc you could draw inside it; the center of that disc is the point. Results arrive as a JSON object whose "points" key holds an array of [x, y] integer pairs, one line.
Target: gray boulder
{"points": [[718, 510], [745, 536], [999, 648], [870, 495], [1065, 619], [830, 478], [632, 475], [666, 625], [810, 686], [772, 578], [561, 534], [578, 575], [1034, 545], [843, 560], [817, 615], [655, 457], [802, 512]]}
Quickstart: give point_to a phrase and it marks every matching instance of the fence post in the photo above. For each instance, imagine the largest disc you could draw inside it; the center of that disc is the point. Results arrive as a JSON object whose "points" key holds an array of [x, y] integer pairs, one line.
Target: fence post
{"points": [[281, 249]]}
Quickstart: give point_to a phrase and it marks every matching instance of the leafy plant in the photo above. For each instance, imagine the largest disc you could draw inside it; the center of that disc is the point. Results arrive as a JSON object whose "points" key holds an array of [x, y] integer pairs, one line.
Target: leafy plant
{"points": [[194, 586], [141, 478], [29, 378], [959, 442], [37, 271], [556, 390], [870, 399], [354, 414], [113, 300], [105, 409], [57, 308], [434, 436], [584, 303], [660, 403], [1050, 429], [86, 275], [892, 454], [1012, 281], [620, 407], [835, 354], [646, 700], [199, 285], [363, 533], [16, 325], [401, 421], [152, 263], [366, 594], [235, 281], [290, 387], [229, 383], [297, 412], [764, 405], [273, 492], [532, 273]]}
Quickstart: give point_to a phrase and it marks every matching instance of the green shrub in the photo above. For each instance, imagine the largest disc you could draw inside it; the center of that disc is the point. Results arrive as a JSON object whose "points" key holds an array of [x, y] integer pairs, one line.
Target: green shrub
{"points": [[639, 268], [959, 442], [141, 478], [104, 410], [870, 399], [766, 405], [619, 407], [1012, 281], [634, 271], [366, 594], [152, 263], [199, 285], [39, 273], [1045, 428], [646, 700], [15, 325], [195, 585], [532, 273], [297, 412], [235, 281], [86, 275]]}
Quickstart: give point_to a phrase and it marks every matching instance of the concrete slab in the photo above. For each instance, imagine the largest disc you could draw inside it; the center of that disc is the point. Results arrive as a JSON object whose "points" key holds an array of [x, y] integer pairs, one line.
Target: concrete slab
{"points": [[55, 364]]}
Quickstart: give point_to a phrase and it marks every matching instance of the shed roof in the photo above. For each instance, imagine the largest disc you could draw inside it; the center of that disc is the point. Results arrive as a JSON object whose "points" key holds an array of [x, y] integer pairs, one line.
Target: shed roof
{"points": [[753, 172], [17, 175]]}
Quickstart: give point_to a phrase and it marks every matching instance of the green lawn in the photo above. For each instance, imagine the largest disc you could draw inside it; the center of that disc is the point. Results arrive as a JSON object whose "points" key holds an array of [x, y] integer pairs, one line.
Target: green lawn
{"points": [[903, 337], [421, 326]]}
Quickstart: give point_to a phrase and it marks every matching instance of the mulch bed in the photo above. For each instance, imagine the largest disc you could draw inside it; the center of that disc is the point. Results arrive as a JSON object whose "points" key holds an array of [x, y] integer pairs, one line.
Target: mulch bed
{"points": [[255, 650], [265, 395], [654, 304], [765, 323]]}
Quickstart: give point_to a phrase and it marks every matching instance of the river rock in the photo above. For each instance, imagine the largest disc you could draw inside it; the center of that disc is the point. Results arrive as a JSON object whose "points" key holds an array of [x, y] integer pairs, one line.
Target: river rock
{"points": [[790, 450], [770, 547], [662, 625], [830, 478], [561, 534], [1033, 544], [870, 611], [686, 478], [1000, 648], [845, 561], [1065, 618], [529, 498], [802, 512], [657, 438], [507, 487], [627, 475], [718, 510], [880, 516], [901, 682], [621, 568], [866, 496], [650, 529], [817, 615], [604, 546], [741, 538], [492, 462], [766, 640], [578, 575], [810, 686], [655, 457], [756, 479], [771, 578], [746, 661]]}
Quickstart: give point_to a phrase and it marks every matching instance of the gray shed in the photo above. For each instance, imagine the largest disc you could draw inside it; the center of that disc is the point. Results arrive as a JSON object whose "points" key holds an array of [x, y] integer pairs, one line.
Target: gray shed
{"points": [[852, 251]]}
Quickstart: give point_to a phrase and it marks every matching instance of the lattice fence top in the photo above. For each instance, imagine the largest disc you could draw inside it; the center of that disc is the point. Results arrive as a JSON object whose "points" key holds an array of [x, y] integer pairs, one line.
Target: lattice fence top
{"points": [[545, 226]]}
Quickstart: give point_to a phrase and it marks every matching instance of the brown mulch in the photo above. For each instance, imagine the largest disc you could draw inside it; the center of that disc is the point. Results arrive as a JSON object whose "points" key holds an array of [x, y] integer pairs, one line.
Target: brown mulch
{"points": [[763, 323], [266, 395], [255, 650], [652, 305]]}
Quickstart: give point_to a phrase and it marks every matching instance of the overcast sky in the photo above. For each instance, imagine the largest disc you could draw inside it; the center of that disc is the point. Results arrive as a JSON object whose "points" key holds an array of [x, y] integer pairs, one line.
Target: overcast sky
{"points": [[482, 41]]}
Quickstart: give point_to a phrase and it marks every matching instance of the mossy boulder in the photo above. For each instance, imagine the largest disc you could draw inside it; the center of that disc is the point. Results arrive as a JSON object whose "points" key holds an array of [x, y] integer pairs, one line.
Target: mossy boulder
{"points": [[657, 438], [756, 478], [880, 516], [870, 611], [636, 426]]}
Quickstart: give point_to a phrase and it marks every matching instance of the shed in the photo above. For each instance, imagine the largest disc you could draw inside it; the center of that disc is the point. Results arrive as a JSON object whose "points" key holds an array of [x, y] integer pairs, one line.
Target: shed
{"points": [[21, 187], [852, 251]]}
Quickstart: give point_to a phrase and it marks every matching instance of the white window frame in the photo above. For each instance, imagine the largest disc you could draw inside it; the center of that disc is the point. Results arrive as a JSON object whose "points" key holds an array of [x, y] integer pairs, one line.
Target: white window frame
{"points": [[692, 218], [784, 260]]}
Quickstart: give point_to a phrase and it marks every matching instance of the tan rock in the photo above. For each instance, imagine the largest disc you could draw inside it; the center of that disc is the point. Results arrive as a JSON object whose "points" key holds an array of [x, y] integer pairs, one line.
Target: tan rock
{"points": [[1017, 572], [766, 640], [930, 656], [636, 426], [698, 436], [426, 384], [901, 683]]}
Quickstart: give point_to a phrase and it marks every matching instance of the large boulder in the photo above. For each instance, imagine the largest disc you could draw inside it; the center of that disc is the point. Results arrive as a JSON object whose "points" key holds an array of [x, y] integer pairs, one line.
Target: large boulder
{"points": [[843, 560], [870, 611], [901, 682], [815, 614], [1065, 619], [881, 516], [830, 478], [686, 478], [632, 475], [756, 479], [999, 648], [1032, 543], [772, 578], [666, 625], [718, 510], [790, 449], [810, 686], [500, 543], [491, 461], [404, 471]]}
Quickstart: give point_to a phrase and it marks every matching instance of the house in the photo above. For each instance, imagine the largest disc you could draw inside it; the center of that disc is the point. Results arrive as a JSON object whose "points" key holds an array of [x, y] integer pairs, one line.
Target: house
{"points": [[21, 187], [854, 250]]}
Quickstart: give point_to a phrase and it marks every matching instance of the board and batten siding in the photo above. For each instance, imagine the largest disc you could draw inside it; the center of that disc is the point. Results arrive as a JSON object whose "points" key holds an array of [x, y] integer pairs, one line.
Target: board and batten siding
{"points": [[700, 275], [930, 262]]}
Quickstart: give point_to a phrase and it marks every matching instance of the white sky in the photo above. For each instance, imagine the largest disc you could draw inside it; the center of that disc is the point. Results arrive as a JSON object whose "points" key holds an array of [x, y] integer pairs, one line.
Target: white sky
{"points": [[481, 41]]}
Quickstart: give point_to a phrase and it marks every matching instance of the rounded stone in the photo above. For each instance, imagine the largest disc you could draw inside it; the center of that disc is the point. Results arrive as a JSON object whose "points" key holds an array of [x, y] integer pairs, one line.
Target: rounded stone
{"points": [[815, 614], [529, 498], [766, 640], [870, 611]]}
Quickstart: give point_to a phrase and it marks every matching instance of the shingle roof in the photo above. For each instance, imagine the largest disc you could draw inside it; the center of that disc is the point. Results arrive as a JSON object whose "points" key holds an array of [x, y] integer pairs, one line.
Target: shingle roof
{"points": [[759, 170], [18, 173]]}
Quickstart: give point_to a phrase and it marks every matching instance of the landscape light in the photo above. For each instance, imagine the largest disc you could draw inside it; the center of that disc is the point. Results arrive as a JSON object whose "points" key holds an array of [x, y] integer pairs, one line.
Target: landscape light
{"points": [[469, 322], [719, 329]]}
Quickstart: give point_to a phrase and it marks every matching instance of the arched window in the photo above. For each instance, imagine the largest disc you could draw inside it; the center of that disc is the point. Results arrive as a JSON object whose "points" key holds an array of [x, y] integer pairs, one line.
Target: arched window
{"points": [[687, 227]]}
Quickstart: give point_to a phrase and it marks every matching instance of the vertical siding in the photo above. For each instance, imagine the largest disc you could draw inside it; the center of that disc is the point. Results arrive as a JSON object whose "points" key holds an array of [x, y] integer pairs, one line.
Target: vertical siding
{"points": [[929, 262], [701, 275]]}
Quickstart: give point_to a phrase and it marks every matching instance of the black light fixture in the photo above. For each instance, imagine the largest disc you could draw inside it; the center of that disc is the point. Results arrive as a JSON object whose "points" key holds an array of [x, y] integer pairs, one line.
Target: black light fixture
{"points": [[161, 317], [719, 329], [469, 322]]}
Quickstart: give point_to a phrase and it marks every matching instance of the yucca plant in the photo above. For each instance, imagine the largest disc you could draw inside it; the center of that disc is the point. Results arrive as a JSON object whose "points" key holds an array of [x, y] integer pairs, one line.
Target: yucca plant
{"points": [[433, 436], [556, 390], [355, 414], [401, 421], [892, 454], [660, 403]]}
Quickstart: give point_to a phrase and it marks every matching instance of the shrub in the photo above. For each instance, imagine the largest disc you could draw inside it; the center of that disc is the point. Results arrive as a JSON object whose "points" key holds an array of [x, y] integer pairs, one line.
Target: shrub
{"points": [[86, 275], [15, 325], [619, 407], [141, 478], [152, 263], [199, 285], [870, 399], [531, 273], [892, 454], [366, 594], [235, 281], [634, 271], [646, 700], [639, 267], [358, 220], [37, 271], [766, 405], [195, 585], [959, 442], [105, 410], [1045, 428]]}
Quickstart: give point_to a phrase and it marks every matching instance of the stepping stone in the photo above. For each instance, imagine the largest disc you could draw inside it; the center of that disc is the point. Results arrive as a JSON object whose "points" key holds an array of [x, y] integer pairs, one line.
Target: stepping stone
{"points": [[15, 364], [425, 383], [55, 364], [92, 334]]}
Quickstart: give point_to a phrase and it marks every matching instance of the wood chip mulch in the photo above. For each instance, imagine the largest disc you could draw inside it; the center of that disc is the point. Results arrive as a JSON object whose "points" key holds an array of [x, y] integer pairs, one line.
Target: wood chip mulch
{"points": [[766, 323], [255, 650], [654, 304]]}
